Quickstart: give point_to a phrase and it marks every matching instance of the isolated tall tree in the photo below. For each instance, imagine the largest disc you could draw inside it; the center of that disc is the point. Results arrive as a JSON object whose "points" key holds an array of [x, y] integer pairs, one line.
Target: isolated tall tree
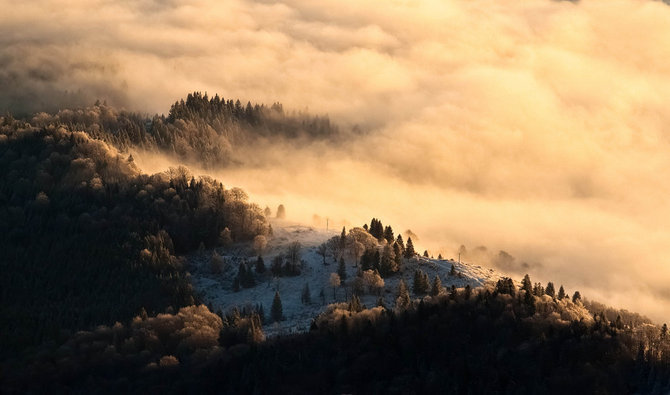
{"points": [[281, 212], [342, 270], [425, 253], [409, 250], [305, 296], [323, 251], [260, 265], [267, 211], [276, 313], [334, 282], [293, 252]]}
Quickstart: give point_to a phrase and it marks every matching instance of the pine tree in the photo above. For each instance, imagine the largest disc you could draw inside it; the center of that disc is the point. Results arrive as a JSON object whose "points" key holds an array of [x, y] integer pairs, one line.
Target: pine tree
{"points": [[397, 254], [420, 283], [400, 242], [260, 265], [550, 290], [526, 284], [388, 235], [402, 301], [281, 212], [306, 297], [468, 292], [439, 256], [376, 261], [664, 332], [355, 304], [436, 289], [452, 271], [425, 253], [388, 265], [342, 270], [343, 239], [576, 296], [561, 293], [276, 313], [409, 250]]}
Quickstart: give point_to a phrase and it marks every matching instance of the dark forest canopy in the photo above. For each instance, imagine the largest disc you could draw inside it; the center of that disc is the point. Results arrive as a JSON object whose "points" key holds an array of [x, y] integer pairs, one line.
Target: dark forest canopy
{"points": [[491, 340], [87, 239], [199, 128]]}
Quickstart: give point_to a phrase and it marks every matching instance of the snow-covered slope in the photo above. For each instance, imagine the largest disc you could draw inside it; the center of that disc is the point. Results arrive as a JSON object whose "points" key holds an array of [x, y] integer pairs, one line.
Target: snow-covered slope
{"points": [[217, 288]]}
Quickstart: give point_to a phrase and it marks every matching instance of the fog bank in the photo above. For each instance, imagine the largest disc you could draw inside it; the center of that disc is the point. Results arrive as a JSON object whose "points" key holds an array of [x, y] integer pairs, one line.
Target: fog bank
{"points": [[536, 127]]}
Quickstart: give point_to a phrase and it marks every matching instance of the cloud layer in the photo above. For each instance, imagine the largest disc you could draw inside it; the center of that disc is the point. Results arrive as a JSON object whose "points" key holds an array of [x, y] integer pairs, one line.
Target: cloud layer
{"points": [[537, 127]]}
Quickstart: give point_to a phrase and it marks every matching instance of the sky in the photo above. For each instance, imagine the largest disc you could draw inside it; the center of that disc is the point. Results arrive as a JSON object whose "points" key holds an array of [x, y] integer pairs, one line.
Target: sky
{"points": [[536, 127]]}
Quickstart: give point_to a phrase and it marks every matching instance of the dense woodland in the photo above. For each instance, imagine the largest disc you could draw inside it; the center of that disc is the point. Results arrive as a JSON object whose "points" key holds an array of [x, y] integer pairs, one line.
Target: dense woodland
{"points": [[87, 239], [95, 296], [494, 340], [200, 129]]}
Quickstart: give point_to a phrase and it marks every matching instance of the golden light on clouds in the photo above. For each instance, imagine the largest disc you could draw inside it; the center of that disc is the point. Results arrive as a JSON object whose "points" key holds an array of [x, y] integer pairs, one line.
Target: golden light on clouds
{"points": [[538, 127]]}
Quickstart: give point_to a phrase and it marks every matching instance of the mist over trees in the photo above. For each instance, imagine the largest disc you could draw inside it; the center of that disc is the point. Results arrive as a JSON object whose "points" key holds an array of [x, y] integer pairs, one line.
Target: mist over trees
{"points": [[200, 129]]}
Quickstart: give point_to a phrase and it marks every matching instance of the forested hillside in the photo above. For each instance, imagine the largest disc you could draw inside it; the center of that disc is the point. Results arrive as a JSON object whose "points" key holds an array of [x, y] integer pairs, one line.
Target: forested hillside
{"points": [[87, 239], [493, 340], [200, 128]]}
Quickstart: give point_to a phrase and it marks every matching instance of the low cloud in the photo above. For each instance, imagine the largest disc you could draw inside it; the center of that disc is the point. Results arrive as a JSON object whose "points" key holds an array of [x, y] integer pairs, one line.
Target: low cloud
{"points": [[535, 127]]}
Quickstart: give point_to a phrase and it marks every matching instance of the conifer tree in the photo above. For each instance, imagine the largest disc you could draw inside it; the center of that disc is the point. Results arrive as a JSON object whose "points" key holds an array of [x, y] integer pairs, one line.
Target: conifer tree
{"points": [[355, 304], [376, 260], [409, 250], [260, 265], [306, 297], [276, 313], [437, 288], [550, 290], [526, 284], [561, 293], [425, 253], [402, 301], [468, 292], [420, 284], [281, 212], [342, 270], [576, 296], [439, 256], [397, 254], [452, 271], [388, 265], [388, 235], [400, 242]]}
